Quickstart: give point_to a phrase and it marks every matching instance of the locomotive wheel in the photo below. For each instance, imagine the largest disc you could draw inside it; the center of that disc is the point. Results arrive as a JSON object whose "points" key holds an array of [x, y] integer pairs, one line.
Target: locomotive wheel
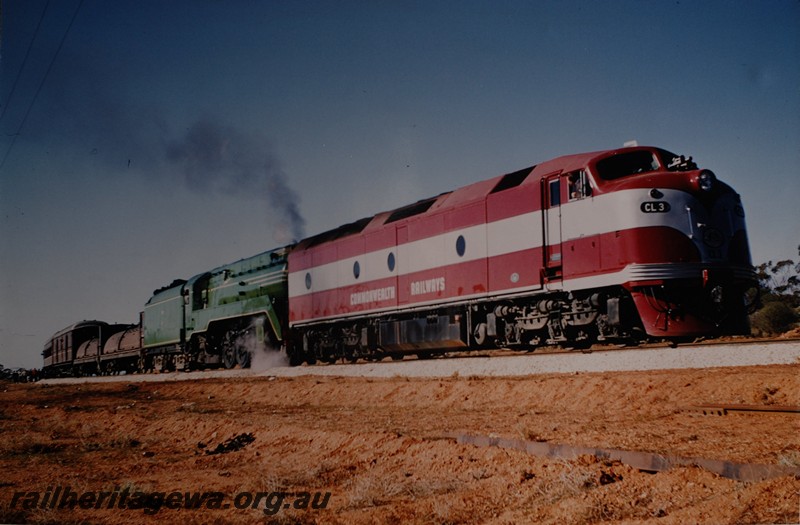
{"points": [[479, 334], [229, 356], [297, 360], [243, 356], [230, 350], [324, 355]]}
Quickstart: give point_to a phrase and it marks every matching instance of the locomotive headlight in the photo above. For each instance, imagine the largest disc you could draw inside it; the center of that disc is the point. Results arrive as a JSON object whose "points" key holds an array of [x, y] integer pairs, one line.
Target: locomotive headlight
{"points": [[706, 180]]}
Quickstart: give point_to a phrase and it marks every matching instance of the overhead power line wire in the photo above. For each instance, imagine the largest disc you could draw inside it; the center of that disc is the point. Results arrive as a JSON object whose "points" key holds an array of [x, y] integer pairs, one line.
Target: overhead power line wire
{"points": [[41, 84], [24, 60]]}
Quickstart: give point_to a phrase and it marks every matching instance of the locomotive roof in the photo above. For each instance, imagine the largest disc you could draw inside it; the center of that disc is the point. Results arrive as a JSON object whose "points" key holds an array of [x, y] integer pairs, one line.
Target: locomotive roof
{"points": [[276, 257], [80, 324], [464, 195]]}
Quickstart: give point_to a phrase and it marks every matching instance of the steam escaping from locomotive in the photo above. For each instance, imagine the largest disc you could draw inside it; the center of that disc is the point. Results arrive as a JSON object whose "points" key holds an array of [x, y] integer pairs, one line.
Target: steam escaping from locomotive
{"points": [[263, 355], [266, 357], [218, 158]]}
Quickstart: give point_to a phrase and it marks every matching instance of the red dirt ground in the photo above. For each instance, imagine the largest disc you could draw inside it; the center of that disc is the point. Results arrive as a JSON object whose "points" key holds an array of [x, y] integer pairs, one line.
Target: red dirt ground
{"points": [[379, 447]]}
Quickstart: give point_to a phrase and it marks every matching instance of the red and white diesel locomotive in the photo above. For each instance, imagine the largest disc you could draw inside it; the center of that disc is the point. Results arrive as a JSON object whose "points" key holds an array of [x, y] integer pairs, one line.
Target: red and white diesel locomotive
{"points": [[621, 246]]}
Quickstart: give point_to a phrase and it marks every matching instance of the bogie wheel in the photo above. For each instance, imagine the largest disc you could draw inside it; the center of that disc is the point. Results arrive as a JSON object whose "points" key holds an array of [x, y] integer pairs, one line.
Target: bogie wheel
{"points": [[243, 355], [229, 356], [296, 359], [229, 350]]}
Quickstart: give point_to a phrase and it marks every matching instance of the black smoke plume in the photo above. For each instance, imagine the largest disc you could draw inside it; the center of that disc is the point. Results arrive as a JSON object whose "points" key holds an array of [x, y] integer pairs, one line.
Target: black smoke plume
{"points": [[90, 106], [214, 157]]}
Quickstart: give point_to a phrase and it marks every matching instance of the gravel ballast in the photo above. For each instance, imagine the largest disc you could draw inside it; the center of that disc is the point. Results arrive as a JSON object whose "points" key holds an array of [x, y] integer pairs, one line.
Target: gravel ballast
{"points": [[660, 358]]}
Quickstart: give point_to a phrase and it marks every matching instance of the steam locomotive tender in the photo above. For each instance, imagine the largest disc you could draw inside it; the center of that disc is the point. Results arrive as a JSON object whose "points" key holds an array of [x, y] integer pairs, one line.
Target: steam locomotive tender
{"points": [[620, 246]]}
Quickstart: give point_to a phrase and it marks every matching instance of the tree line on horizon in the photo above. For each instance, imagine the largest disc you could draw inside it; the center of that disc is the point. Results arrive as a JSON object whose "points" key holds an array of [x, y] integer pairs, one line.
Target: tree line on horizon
{"points": [[777, 310]]}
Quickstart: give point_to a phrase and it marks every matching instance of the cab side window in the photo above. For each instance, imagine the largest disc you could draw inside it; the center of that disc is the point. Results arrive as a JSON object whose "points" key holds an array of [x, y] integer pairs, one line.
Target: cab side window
{"points": [[578, 186]]}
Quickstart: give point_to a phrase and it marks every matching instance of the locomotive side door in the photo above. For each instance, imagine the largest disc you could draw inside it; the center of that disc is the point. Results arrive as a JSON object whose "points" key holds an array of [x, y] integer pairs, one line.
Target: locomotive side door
{"points": [[551, 226]]}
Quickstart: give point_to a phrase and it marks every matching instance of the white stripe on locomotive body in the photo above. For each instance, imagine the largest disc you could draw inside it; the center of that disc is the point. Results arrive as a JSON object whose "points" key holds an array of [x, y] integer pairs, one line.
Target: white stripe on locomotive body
{"points": [[261, 281], [162, 301], [514, 234], [621, 211], [510, 235], [232, 282], [591, 216], [440, 250], [649, 272]]}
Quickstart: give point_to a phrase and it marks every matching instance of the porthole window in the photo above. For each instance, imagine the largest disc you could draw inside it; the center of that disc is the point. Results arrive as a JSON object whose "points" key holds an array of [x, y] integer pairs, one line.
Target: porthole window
{"points": [[356, 269], [390, 261], [461, 246], [308, 281]]}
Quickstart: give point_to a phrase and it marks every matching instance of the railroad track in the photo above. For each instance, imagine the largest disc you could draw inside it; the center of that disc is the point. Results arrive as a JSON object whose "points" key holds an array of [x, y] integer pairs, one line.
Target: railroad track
{"points": [[507, 363], [548, 350], [725, 409]]}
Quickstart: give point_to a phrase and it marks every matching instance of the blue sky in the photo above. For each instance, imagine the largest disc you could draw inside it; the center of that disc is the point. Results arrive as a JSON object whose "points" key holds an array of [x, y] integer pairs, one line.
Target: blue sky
{"points": [[171, 137]]}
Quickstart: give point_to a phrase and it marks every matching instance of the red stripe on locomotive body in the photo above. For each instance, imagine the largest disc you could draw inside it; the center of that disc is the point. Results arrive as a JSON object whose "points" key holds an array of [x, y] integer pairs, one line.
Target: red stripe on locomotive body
{"points": [[380, 239], [465, 216], [301, 308], [516, 270], [350, 247], [324, 254], [512, 203], [301, 260], [424, 229], [614, 251], [374, 296]]}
